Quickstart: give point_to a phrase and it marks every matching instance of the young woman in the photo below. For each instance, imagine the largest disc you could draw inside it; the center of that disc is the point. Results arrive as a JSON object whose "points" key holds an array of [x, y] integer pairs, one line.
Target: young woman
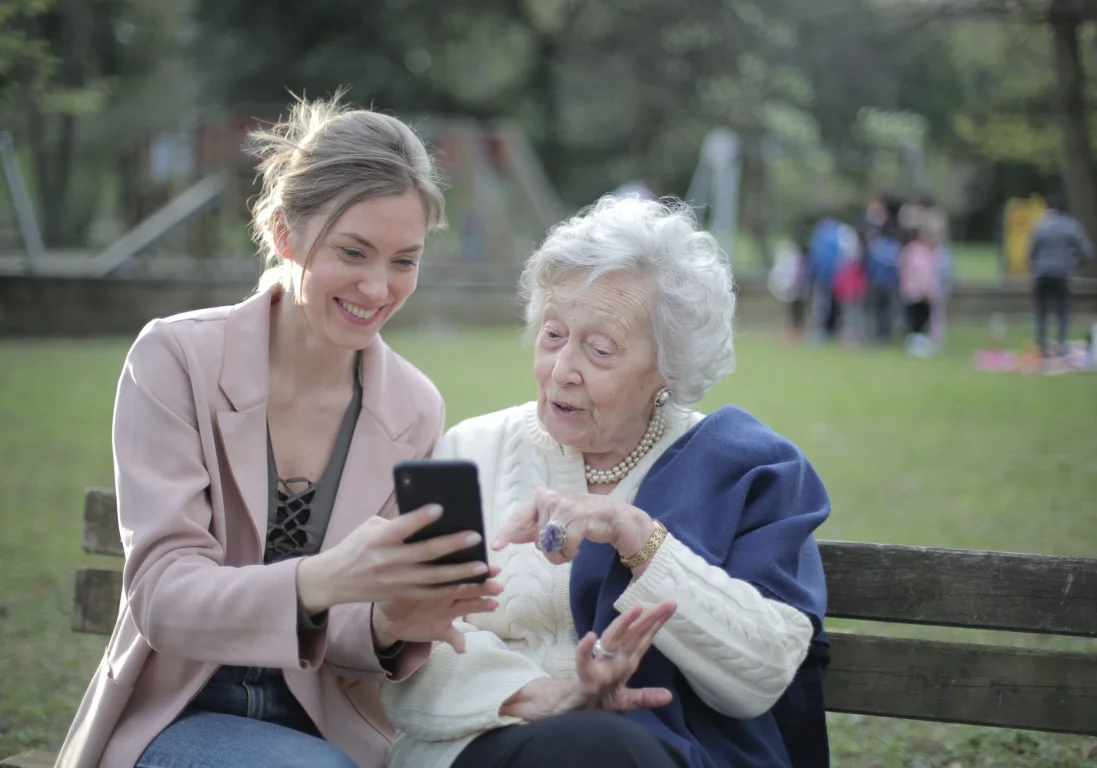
{"points": [[267, 585]]}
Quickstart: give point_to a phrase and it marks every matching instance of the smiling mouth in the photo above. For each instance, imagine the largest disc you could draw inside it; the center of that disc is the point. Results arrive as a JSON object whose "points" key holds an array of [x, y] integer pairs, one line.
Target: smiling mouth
{"points": [[361, 314]]}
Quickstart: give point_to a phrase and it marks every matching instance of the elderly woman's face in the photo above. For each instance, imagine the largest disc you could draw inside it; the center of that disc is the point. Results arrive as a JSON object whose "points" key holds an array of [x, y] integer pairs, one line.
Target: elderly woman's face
{"points": [[595, 364]]}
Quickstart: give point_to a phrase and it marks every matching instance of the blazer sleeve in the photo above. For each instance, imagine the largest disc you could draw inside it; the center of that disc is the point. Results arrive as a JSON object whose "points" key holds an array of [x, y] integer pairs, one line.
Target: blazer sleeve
{"points": [[350, 649], [182, 600]]}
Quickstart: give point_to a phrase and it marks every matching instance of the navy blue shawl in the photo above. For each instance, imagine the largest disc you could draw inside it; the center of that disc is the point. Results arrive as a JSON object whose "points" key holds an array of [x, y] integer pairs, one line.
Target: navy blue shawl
{"points": [[747, 500]]}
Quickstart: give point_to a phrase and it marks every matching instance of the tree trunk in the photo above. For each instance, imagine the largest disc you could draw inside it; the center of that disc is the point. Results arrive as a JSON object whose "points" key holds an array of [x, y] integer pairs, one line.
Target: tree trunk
{"points": [[1066, 20], [56, 156], [544, 85], [56, 191]]}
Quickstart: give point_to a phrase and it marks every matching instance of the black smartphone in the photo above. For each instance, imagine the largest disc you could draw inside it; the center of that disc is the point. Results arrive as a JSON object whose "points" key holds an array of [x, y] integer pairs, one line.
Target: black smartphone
{"points": [[455, 486]]}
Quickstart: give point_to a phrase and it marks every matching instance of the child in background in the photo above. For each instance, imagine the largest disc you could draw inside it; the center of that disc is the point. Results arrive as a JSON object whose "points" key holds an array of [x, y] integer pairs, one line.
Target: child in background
{"points": [[790, 282], [851, 288], [802, 292], [920, 288]]}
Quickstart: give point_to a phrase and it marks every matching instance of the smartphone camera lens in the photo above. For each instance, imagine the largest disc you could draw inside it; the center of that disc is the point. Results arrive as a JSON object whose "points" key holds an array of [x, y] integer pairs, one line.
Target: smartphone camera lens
{"points": [[405, 480]]}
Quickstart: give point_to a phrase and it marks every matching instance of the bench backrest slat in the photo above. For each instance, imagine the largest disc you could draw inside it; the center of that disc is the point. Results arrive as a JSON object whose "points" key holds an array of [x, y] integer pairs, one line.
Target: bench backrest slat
{"points": [[98, 594], [963, 683], [916, 679], [961, 588], [101, 536]]}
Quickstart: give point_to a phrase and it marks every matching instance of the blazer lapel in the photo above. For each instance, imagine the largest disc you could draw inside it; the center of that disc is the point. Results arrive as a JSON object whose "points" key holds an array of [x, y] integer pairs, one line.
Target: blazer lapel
{"points": [[244, 437], [245, 379], [366, 485]]}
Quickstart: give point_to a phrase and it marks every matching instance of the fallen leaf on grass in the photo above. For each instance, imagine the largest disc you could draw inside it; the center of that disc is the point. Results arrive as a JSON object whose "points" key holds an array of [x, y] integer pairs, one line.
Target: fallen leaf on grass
{"points": [[1088, 750]]}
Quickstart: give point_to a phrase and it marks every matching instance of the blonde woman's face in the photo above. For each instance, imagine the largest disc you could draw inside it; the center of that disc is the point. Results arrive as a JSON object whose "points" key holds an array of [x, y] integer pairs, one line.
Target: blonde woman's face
{"points": [[363, 269]]}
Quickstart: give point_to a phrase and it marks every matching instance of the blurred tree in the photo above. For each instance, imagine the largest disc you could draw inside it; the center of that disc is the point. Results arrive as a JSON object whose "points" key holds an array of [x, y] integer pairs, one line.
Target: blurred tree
{"points": [[986, 74], [23, 58], [1023, 62], [1065, 18], [608, 91], [50, 82], [62, 62]]}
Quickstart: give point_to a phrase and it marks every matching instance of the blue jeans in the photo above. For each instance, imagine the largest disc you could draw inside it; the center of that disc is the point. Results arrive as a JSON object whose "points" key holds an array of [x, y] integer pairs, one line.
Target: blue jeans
{"points": [[244, 717]]}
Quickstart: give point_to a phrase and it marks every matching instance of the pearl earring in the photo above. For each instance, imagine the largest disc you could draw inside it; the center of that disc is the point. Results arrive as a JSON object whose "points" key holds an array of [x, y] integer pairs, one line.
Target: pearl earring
{"points": [[661, 397]]}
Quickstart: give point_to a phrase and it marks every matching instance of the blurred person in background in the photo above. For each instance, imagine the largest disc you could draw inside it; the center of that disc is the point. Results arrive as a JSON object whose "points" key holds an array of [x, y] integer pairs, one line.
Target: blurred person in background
{"points": [[606, 496], [851, 287], [876, 215], [919, 287], [882, 268], [1058, 243], [939, 236], [929, 221], [824, 259], [801, 292], [789, 282], [912, 215], [267, 591]]}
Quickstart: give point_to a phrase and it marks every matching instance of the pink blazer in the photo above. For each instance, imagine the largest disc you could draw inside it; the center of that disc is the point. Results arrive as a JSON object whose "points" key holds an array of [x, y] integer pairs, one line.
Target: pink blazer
{"points": [[190, 452]]}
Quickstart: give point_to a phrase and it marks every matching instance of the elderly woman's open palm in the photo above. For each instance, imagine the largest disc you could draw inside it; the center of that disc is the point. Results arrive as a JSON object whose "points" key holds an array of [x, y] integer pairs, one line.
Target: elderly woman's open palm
{"points": [[605, 665], [603, 668]]}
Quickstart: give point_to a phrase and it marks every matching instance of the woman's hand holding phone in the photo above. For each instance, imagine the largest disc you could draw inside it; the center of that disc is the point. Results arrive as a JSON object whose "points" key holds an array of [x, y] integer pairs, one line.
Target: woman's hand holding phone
{"points": [[414, 600], [432, 619]]}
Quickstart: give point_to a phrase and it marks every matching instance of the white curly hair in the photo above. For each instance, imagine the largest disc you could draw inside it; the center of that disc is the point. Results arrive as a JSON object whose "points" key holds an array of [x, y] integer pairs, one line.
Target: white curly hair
{"points": [[694, 307]]}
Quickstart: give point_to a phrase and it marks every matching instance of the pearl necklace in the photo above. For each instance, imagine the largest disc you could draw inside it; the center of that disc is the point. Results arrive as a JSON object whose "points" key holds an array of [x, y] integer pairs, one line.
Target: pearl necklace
{"points": [[615, 474]]}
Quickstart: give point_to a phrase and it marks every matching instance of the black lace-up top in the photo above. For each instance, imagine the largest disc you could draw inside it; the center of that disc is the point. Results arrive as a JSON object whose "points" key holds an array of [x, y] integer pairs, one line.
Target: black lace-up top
{"points": [[298, 510]]}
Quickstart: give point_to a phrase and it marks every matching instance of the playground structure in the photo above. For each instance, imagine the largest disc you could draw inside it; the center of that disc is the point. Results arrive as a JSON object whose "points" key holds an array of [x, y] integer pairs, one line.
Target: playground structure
{"points": [[194, 213], [186, 203], [185, 242]]}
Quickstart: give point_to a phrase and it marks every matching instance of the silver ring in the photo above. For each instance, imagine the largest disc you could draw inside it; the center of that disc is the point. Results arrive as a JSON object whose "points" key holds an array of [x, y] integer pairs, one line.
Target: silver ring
{"points": [[553, 537], [599, 652]]}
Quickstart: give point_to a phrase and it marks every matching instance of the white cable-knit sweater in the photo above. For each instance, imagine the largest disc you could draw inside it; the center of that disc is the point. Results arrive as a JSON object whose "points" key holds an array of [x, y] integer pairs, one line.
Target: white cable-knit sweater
{"points": [[738, 650]]}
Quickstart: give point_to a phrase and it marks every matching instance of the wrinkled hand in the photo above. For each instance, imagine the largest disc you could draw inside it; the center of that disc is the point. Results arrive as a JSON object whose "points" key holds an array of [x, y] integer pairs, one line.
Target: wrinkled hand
{"points": [[600, 683], [600, 519], [604, 681], [429, 620]]}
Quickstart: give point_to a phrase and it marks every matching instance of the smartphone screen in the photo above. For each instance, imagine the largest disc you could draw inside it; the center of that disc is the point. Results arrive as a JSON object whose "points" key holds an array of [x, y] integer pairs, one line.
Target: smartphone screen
{"points": [[453, 485]]}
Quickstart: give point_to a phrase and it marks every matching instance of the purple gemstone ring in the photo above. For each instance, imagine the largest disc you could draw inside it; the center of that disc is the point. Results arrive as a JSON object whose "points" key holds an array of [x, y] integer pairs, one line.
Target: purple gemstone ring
{"points": [[553, 537]]}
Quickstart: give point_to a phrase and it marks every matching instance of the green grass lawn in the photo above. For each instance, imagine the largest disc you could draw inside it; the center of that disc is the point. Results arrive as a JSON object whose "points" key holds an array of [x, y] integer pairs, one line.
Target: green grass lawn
{"points": [[917, 452]]}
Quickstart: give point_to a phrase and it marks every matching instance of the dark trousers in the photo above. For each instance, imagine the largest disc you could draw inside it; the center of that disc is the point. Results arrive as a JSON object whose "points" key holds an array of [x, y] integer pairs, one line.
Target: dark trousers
{"points": [[834, 316], [584, 739], [1051, 292], [918, 316], [882, 303], [796, 312]]}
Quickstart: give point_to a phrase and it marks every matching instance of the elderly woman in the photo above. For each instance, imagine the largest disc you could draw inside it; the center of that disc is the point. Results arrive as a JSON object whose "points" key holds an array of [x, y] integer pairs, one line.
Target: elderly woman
{"points": [[606, 497]]}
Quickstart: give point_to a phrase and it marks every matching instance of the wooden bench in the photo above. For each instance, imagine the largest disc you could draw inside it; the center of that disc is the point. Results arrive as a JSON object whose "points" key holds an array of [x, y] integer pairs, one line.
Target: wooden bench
{"points": [[948, 682]]}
